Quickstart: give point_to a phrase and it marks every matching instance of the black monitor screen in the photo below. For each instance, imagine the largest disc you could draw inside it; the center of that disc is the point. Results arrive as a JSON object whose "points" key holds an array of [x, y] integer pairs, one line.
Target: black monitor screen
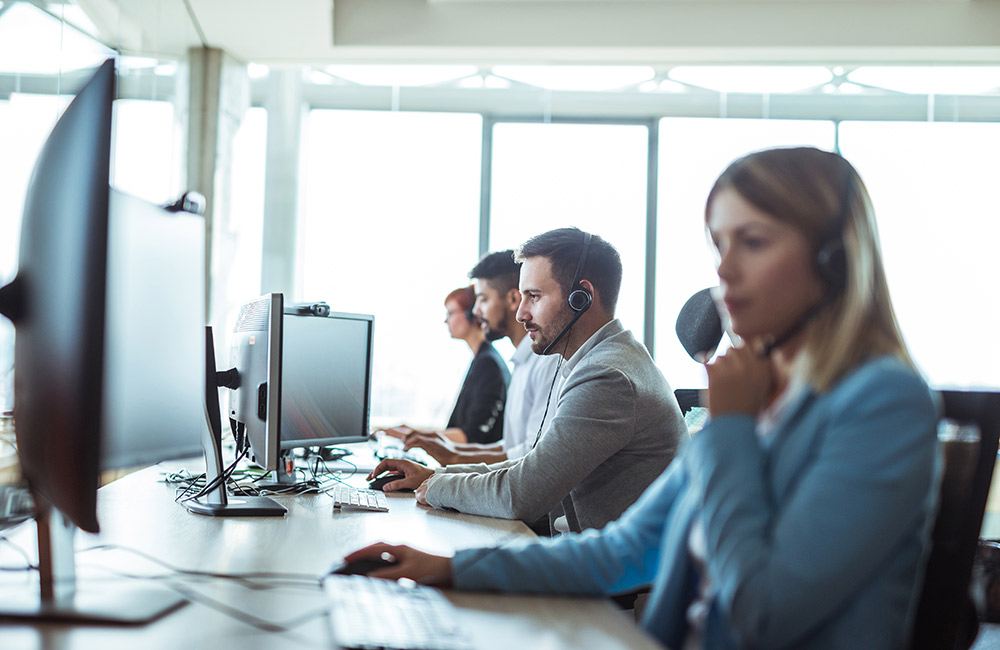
{"points": [[326, 379]]}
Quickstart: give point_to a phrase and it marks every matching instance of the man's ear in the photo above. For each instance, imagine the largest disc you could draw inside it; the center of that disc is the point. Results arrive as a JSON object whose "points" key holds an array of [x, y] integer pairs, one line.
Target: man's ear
{"points": [[513, 298], [586, 284]]}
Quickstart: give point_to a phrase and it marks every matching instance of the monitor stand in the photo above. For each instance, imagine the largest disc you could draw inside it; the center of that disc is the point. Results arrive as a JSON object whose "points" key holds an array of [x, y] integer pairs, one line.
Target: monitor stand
{"points": [[218, 503], [57, 595], [281, 479]]}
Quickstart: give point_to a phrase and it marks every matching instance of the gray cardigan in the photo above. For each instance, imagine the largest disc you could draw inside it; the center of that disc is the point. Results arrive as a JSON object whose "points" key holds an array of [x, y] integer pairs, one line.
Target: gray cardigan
{"points": [[615, 429]]}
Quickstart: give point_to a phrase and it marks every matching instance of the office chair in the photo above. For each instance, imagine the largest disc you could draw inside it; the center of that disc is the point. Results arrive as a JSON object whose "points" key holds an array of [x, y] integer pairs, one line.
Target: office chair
{"points": [[687, 398], [946, 617]]}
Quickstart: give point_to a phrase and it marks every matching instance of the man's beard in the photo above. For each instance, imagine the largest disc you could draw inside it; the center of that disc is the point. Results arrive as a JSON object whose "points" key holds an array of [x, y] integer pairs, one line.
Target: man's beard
{"points": [[491, 333], [494, 335], [538, 345]]}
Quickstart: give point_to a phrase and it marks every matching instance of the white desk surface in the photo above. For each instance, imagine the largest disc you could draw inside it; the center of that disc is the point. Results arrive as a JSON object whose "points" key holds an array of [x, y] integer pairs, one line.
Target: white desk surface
{"points": [[140, 513]]}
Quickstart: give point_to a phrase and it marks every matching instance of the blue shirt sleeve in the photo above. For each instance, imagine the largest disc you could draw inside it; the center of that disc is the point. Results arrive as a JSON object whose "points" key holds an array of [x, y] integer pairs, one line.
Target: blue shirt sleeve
{"points": [[620, 557]]}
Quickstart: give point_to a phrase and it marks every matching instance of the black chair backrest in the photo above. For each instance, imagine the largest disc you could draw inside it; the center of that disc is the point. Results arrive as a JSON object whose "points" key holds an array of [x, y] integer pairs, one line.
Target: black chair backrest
{"points": [[687, 398], [945, 617]]}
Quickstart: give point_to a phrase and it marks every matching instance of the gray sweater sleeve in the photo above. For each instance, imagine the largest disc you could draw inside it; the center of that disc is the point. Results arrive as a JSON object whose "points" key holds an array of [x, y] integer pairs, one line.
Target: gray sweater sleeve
{"points": [[473, 468], [593, 420]]}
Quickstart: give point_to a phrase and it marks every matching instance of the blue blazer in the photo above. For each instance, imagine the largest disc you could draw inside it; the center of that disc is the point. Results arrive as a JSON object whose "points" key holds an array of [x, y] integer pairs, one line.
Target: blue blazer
{"points": [[816, 536]]}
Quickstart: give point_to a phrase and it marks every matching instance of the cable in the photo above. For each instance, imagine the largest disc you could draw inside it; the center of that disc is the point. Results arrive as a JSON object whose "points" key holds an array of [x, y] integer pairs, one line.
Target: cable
{"points": [[247, 580], [243, 578], [548, 399], [28, 566]]}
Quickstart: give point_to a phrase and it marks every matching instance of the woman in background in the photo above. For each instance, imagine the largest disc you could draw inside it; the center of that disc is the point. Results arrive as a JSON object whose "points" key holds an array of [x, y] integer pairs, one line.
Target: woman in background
{"points": [[478, 413], [799, 516]]}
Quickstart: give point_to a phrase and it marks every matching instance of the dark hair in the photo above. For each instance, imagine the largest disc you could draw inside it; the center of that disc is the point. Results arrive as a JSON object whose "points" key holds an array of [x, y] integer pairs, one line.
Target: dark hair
{"points": [[563, 247], [500, 269]]}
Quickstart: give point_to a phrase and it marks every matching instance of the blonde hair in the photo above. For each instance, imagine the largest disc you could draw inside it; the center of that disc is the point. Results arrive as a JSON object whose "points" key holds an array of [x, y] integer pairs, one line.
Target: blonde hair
{"points": [[822, 195]]}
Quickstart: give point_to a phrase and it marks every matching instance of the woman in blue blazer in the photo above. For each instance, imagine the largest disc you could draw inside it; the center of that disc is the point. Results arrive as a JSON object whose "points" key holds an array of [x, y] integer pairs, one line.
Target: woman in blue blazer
{"points": [[799, 516]]}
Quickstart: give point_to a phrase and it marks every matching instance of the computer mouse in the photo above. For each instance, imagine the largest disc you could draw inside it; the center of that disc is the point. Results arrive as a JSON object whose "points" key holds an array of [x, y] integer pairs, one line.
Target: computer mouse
{"points": [[379, 482], [361, 567]]}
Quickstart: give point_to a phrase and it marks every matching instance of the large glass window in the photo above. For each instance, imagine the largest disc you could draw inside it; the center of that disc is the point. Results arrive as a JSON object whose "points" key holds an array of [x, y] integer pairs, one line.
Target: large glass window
{"points": [[693, 152], [25, 122], [592, 176], [389, 226], [239, 231], [933, 186], [147, 150]]}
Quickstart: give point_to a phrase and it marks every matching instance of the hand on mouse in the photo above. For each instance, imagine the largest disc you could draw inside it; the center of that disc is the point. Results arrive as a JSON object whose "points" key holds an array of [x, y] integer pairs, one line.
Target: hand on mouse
{"points": [[415, 474], [386, 479], [409, 563]]}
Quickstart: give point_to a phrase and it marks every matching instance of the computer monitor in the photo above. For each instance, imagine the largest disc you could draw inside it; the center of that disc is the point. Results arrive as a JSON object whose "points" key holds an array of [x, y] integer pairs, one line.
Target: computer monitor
{"points": [[255, 391], [108, 306], [326, 373], [303, 380]]}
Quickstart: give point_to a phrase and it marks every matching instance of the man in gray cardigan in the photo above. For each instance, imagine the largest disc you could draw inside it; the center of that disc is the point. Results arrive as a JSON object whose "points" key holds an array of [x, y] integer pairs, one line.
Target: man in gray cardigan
{"points": [[616, 424]]}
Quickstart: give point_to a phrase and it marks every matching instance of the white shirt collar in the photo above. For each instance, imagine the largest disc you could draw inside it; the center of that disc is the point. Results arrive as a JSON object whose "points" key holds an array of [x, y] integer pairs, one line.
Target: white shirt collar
{"points": [[522, 352]]}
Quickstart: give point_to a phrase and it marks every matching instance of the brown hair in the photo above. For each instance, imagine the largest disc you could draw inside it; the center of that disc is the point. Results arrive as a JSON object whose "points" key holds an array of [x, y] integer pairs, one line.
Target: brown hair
{"points": [[820, 193]]}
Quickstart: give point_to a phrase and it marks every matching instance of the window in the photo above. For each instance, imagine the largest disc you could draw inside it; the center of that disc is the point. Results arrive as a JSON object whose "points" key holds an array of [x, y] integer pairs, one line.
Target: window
{"points": [[693, 152], [148, 145], [933, 186], [239, 230], [592, 176], [389, 226]]}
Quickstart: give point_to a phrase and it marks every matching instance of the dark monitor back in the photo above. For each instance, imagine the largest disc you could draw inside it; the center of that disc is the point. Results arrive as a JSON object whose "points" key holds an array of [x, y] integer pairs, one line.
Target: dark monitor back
{"points": [[108, 306], [57, 304], [326, 379]]}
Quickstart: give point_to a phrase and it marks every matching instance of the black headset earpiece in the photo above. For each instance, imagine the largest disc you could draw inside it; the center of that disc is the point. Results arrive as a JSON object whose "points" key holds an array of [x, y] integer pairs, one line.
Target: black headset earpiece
{"points": [[469, 313], [831, 258], [580, 299]]}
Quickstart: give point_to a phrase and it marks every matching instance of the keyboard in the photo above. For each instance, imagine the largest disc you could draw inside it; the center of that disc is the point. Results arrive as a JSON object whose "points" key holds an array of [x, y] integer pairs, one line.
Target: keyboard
{"points": [[370, 613], [352, 497]]}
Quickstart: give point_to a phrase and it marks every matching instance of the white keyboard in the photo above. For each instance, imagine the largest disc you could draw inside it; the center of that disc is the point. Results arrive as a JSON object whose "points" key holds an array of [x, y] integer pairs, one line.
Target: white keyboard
{"points": [[370, 613], [351, 497]]}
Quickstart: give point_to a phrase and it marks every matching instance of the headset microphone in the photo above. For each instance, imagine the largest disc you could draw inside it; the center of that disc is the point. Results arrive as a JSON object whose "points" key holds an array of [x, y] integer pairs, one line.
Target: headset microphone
{"points": [[811, 313], [561, 334]]}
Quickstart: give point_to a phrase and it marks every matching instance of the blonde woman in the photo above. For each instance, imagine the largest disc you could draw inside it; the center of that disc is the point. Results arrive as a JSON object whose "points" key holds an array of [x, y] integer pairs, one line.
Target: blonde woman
{"points": [[799, 516]]}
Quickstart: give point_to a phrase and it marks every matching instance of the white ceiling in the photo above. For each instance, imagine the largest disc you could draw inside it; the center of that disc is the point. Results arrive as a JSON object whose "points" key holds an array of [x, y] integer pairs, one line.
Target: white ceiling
{"points": [[553, 31]]}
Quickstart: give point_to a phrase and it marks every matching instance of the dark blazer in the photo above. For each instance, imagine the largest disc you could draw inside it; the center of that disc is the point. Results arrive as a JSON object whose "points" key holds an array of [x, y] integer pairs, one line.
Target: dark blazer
{"points": [[479, 409]]}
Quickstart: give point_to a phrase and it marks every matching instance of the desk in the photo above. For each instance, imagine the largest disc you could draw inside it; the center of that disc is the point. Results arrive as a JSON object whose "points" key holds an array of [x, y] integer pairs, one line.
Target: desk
{"points": [[139, 513]]}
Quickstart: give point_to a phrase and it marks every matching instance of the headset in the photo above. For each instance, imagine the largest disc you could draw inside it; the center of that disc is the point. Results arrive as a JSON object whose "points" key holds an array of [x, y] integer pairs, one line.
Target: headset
{"points": [[579, 299], [830, 262], [469, 312], [831, 258]]}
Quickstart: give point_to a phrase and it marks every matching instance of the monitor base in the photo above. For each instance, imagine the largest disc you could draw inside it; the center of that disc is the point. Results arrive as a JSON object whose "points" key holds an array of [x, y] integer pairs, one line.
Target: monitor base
{"points": [[102, 602], [238, 506]]}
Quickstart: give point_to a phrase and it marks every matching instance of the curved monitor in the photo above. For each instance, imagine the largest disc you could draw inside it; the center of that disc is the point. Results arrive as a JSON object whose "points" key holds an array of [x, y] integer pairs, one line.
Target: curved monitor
{"points": [[108, 307], [57, 304]]}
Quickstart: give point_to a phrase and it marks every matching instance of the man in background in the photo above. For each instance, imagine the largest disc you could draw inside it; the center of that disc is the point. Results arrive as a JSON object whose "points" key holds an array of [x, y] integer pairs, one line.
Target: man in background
{"points": [[616, 424], [495, 278]]}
